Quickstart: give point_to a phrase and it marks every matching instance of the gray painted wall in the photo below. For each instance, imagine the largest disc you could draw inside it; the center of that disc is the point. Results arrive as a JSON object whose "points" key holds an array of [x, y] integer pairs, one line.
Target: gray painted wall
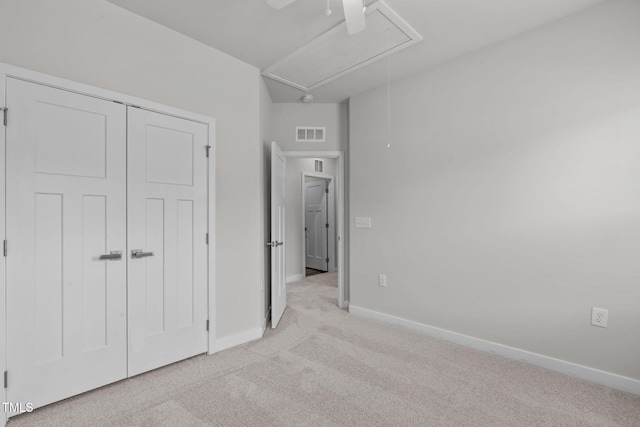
{"points": [[508, 204], [98, 43]]}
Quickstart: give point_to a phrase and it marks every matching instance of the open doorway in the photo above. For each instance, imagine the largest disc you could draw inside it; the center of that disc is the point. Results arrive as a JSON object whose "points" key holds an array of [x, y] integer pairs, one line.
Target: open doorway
{"points": [[304, 179], [319, 232]]}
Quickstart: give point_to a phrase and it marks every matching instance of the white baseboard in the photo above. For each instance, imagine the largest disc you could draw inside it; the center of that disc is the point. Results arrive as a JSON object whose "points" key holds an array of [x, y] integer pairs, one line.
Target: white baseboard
{"points": [[295, 277], [597, 376], [237, 339]]}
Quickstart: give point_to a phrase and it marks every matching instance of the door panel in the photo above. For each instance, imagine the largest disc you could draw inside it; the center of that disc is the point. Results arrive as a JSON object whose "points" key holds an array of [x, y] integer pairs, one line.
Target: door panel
{"points": [[66, 206], [184, 270], [48, 278], [315, 224], [94, 237], [278, 268], [167, 202]]}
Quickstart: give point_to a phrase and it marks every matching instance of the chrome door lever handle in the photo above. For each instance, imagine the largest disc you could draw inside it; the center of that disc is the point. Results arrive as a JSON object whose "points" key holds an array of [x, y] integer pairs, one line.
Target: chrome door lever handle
{"points": [[279, 244], [275, 244], [112, 256], [137, 253]]}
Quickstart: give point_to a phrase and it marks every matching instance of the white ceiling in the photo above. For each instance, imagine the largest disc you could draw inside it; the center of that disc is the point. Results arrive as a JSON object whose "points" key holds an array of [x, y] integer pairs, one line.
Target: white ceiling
{"points": [[253, 32]]}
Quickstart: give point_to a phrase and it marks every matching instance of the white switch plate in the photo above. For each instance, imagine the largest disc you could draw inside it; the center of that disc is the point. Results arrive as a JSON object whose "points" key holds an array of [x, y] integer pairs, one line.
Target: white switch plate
{"points": [[363, 222]]}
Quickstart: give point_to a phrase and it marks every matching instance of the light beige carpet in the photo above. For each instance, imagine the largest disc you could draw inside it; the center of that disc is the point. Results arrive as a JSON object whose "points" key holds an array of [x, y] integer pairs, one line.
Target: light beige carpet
{"points": [[322, 367]]}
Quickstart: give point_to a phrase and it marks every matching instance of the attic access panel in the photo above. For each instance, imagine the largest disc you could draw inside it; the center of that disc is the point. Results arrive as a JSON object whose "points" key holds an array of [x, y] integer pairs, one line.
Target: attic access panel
{"points": [[336, 53]]}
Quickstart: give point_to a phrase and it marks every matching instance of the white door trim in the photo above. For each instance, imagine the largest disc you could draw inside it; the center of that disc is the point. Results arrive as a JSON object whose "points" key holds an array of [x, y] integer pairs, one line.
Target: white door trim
{"points": [[331, 241], [340, 218], [7, 70], [211, 215], [3, 292]]}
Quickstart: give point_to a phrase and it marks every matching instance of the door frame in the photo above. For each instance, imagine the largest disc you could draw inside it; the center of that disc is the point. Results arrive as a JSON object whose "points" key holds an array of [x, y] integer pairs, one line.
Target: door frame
{"points": [[11, 71], [340, 211], [331, 208], [3, 289]]}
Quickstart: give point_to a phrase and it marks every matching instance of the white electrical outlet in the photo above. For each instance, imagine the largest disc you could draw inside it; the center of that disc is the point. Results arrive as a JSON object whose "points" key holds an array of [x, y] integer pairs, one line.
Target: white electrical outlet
{"points": [[382, 280], [599, 317]]}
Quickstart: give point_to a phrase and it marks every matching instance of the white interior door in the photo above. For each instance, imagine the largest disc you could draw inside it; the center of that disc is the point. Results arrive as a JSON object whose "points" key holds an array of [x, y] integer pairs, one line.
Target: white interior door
{"points": [[66, 207], [167, 225], [316, 225], [278, 271]]}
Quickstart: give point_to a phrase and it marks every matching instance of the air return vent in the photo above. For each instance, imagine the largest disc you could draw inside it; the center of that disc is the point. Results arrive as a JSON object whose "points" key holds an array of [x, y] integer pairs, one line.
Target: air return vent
{"points": [[319, 166], [310, 134], [336, 53]]}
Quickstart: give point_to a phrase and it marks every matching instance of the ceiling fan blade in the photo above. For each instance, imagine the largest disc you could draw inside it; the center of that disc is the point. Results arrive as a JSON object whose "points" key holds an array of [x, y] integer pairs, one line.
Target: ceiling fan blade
{"points": [[354, 16], [279, 4]]}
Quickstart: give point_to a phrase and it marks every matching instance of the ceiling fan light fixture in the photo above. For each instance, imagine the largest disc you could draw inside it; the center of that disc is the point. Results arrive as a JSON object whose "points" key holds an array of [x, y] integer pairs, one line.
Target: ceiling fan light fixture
{"points": [[353, 16], [308, 98]]}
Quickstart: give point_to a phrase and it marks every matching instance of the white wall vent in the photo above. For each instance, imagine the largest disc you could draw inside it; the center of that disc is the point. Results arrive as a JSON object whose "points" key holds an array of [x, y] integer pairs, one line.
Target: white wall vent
{"points": [[310, 134], [319, 166]]}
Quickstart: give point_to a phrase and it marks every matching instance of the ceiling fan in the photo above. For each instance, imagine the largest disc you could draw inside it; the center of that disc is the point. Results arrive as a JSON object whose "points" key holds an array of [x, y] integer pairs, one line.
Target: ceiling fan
{"points": [[353, 13]]}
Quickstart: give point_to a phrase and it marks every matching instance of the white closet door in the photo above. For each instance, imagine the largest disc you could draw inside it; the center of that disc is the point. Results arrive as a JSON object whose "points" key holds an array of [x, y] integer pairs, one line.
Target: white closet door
{"points": [[167, 223], [66, 204]]}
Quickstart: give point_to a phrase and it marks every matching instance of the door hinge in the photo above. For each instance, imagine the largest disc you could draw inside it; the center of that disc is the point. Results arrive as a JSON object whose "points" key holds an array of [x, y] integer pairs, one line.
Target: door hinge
{"points": [[4, 247], [5, 112], [326, 225], [326, 190], [208, 147], [207, 324], [6, 381], [327, 260], [206, 238]]}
